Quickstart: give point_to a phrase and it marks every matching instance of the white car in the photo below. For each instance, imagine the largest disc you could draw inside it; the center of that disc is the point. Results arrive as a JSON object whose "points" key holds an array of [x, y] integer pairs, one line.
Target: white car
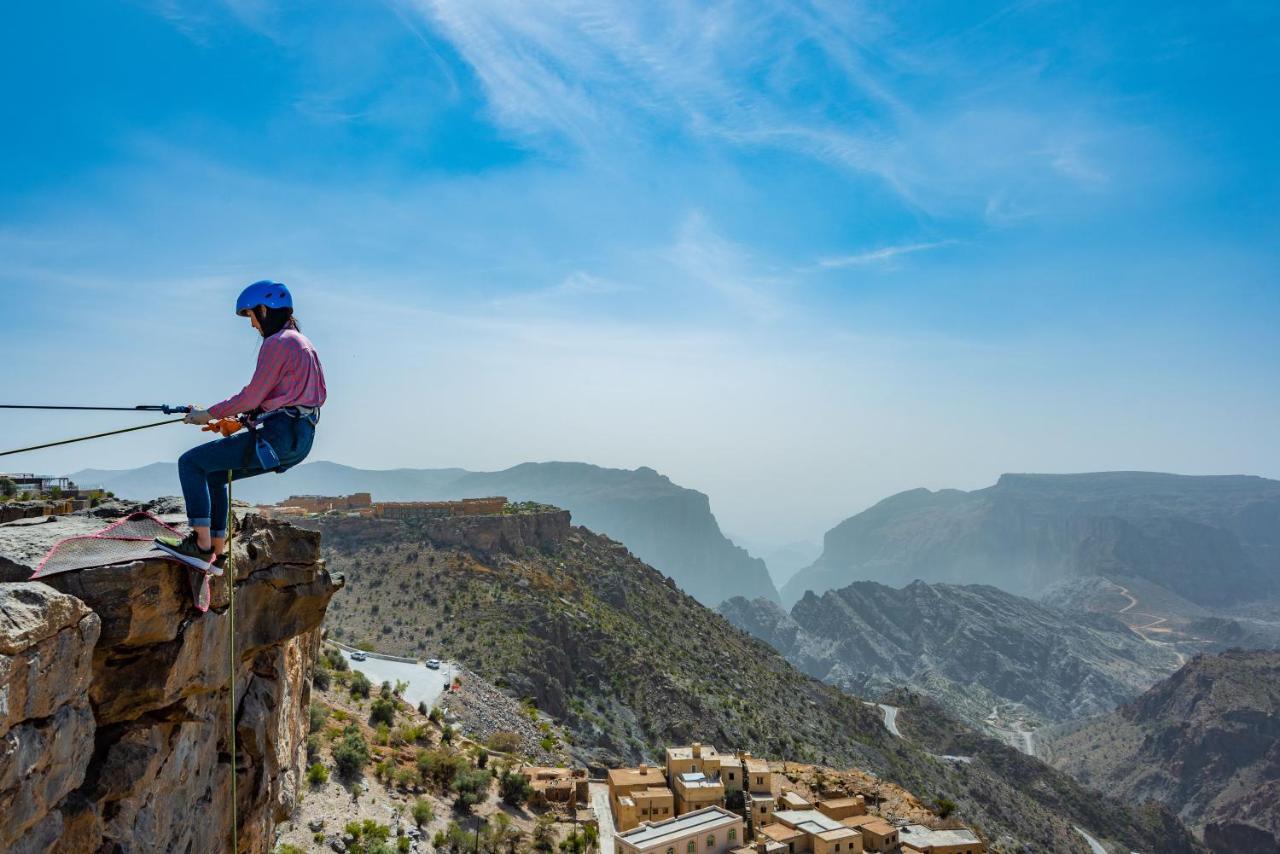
{"points": [[358, 656], [433, 663]]}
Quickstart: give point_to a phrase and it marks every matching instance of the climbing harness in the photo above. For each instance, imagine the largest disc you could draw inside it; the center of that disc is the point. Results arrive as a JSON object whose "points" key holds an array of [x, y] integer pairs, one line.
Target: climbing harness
{"points": [[163, 407], [230, 576]]}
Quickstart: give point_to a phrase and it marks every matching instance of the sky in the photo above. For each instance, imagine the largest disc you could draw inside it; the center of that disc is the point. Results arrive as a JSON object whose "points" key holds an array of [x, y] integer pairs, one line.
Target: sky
{"points": [[797, 255]]}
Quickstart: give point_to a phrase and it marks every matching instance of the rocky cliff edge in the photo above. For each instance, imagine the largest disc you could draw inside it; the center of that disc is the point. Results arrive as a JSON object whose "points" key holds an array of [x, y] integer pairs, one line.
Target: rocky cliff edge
{"points": [[114, 700]]}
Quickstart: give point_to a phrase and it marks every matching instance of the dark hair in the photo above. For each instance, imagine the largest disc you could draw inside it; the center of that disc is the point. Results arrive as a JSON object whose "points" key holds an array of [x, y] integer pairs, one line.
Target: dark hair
{"points": [[272, 320]]}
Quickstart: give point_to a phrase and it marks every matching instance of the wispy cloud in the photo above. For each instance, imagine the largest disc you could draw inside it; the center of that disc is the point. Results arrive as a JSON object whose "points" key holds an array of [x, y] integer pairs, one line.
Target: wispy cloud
{"points": [[879, 256], [836, 83], [705, 258]]}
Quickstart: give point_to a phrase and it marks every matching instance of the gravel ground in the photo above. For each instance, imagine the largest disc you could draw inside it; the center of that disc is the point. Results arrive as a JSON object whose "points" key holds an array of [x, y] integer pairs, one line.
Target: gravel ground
{"points": [[481, 710]]}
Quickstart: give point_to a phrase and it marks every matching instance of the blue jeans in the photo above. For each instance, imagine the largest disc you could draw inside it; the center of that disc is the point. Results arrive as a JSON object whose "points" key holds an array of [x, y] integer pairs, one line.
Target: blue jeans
{"points": [[203, 469]]}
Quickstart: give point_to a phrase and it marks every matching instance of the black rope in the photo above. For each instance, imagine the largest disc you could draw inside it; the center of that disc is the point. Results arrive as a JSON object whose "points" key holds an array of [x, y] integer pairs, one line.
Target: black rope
{"points": [[86, 438], [165, 408]]}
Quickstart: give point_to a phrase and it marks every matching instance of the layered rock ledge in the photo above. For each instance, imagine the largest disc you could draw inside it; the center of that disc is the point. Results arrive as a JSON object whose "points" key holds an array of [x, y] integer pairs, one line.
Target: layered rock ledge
{"points": [[114, 704]]}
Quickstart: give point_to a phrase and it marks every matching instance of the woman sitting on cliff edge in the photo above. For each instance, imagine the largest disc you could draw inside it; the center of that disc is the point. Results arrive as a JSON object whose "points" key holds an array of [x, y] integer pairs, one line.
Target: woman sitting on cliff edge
{"points": [[282, 404]]}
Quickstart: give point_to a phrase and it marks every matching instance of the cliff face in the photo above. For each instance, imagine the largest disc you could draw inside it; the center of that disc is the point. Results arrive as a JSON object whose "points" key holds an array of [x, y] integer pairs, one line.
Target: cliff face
{"points": [[1205, 742], [114, 700], [1029, 531]]}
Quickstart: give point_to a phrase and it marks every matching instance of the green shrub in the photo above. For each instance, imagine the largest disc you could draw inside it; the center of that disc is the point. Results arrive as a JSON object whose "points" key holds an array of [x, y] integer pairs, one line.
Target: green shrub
{"points": [[471, 787], [318, 714], [439, 768], [351, 754], [317, 774], [514, 788], [360, 685], [320, 678], [383, 711], [423, 812]]}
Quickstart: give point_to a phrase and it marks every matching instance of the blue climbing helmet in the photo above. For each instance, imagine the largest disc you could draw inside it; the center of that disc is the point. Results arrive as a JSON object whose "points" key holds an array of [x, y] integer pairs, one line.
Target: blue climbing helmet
{"points": [[268, 293]]}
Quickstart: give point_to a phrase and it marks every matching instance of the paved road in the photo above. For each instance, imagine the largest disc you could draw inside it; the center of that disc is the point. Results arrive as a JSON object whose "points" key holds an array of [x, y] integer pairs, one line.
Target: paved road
{"points": [[424, 684], [604, 816], [1094, 845], [891, 719]]}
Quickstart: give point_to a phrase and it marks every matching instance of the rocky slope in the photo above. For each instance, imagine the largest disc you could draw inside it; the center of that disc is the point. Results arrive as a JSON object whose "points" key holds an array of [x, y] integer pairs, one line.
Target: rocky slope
{"points": [[1029, 531], [114, 704], [628, 663], [668, 526], [1205, 741], [971, 647]]}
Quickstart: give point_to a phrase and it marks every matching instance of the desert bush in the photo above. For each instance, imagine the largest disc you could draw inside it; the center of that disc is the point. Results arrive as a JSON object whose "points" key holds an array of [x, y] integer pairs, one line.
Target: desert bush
{"points": [[317, 774]]}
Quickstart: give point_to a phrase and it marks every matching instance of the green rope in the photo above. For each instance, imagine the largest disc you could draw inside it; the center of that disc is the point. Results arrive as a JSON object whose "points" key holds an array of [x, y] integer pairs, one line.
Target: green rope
{"points": [[87, 438], [230, 576]]}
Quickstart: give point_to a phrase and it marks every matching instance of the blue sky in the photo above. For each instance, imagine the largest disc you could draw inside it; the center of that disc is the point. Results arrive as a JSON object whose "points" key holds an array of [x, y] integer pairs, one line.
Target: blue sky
{"points": [[796, 255]]}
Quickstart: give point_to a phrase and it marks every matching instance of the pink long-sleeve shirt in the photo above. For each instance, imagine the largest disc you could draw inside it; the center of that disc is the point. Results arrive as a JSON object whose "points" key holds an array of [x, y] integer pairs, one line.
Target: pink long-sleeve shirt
{"points": [[288, 374]]}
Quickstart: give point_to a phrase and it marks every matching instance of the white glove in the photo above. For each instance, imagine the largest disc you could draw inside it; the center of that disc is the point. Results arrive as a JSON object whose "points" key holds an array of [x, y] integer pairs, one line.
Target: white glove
{"points": [[197, 416]]}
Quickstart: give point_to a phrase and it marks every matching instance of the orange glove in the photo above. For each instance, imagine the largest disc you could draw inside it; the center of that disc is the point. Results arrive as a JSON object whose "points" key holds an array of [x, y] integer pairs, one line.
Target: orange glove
{"points": [[225, 426]]}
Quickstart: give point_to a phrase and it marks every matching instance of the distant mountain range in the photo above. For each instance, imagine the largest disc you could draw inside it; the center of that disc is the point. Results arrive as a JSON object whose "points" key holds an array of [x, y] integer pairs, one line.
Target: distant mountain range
{"points": [[976, 649], [629, 664], [1205, 742], [1213, 540], [666, 525]]}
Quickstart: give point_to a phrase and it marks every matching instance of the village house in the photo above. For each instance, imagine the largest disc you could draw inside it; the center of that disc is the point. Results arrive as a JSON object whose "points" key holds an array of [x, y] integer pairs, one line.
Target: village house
{"points": [[842, 808], [695, 791], [639, 794], [877, 834], [813, 832], [731, 773], [792, 800], [557, 785], [758, 789], [694, 758], [924, 840], [713, 830]]}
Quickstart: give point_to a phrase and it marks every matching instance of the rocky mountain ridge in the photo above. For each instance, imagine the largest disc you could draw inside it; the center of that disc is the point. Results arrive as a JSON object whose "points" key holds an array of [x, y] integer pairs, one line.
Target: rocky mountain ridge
{"points": [[971, 647], [1205, 742], [1030, 531], [114, 729], [667, 525]]}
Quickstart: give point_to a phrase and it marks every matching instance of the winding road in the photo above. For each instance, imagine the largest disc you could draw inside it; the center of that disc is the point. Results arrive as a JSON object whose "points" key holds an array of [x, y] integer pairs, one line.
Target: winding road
{"points": [[1154, 626], [1094, 845]]}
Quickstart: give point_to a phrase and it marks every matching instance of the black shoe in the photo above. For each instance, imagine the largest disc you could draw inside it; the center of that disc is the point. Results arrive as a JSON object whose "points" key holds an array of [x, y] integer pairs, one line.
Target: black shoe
{"points": [[186, 550], [219, 565]]}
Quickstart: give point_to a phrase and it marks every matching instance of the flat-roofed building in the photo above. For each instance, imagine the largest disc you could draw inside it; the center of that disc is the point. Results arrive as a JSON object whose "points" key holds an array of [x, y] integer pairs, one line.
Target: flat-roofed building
{"points": [[731, 773], [877, 834], [926, 840], [813, 831], [695, 790], [639, 794], [762, 807], [557, 785], [793, 801], [841, 808], [713, 830], [697, 757], [795, 841], [758, 776], [761, 846]]}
